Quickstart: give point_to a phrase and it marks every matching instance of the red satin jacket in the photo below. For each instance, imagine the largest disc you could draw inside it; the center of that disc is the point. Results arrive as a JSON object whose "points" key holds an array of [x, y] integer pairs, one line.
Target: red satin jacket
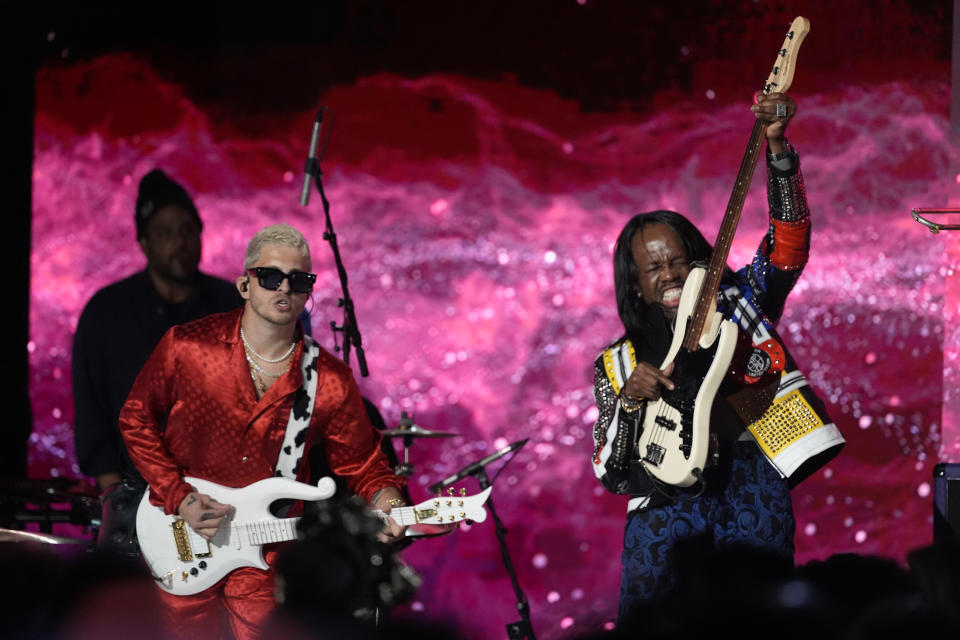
{"points": [[193, 411]]}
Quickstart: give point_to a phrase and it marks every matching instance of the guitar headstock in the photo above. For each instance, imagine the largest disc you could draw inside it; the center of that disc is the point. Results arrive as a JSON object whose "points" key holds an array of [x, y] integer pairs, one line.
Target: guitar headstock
{"points": [[453, 507], [781, 77]]}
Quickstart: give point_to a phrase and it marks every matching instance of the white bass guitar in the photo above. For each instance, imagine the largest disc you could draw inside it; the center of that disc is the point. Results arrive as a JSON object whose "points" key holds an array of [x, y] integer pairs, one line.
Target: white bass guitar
{"points": [[675, 439]]}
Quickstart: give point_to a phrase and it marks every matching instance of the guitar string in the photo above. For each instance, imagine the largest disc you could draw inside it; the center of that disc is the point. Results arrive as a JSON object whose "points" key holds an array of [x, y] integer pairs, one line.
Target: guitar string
{"points": [[260, 532], [280, 529], [737, 199]]}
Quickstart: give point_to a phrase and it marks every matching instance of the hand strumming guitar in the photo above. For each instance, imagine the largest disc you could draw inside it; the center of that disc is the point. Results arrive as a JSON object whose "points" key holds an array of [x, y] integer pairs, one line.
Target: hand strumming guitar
{"points": [[646, 382], [203, 513]]}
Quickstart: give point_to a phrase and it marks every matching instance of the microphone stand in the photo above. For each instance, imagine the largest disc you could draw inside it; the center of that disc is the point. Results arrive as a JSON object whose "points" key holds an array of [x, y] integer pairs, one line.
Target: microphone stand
{"points": [[351, 334], [520, 630]]}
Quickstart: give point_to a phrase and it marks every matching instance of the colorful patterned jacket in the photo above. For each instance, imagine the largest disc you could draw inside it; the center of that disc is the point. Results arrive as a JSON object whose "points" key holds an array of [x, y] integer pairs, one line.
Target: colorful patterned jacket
{"points": [[779, 409]]}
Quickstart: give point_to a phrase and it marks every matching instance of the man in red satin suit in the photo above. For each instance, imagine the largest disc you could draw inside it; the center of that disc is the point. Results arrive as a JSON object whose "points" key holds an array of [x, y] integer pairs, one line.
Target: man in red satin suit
{"points": [[220, 399]]}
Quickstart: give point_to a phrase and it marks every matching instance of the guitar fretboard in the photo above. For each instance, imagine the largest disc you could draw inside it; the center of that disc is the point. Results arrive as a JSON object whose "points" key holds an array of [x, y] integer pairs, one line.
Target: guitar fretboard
{"points": [[267, 531], [779, 80], [404, 516], [721, 249]]}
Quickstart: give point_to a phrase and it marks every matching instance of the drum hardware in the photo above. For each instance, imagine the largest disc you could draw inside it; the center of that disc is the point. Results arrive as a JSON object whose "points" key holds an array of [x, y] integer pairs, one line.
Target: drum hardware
{"points": [[47, 490], [46, 502], [409, 431]]}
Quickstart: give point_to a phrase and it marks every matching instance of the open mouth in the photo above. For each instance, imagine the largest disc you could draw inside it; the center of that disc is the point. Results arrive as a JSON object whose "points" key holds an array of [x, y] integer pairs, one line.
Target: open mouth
{"points": [[671, 297]]}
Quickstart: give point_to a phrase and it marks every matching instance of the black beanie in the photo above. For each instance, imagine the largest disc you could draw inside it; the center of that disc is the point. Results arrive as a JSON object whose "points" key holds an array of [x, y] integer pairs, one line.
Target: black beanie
{"points": [[157, 191]]}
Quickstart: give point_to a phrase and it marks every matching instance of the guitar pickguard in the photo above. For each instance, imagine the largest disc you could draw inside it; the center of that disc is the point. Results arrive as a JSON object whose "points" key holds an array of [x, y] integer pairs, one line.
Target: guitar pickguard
{"points": [[674, 441], [690, 369]]}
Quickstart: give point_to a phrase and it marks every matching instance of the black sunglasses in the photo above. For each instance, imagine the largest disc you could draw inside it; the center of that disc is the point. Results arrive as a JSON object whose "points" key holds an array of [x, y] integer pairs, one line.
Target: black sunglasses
{"points": [[270, 278]]}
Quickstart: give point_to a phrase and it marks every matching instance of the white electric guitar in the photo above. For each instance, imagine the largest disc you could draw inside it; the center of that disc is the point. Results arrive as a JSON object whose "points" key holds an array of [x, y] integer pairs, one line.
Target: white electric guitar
{"points": [[675, 441], [183, 562]]}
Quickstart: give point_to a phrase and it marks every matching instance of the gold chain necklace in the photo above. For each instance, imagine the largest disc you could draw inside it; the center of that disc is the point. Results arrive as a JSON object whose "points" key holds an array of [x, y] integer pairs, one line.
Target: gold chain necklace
{"points": [[261, 370], [250, 348], [258, 383]]}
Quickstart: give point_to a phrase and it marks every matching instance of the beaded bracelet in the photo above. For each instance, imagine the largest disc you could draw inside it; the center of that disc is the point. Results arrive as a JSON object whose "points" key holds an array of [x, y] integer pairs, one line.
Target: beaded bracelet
{"points": [[628, 404]]}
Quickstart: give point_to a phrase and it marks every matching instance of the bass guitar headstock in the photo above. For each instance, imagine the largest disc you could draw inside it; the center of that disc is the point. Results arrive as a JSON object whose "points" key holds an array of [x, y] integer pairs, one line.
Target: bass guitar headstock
{"points": [[781, 77]]}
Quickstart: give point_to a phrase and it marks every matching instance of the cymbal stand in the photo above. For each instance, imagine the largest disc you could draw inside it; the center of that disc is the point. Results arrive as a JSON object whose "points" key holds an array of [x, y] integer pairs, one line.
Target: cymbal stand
{"points": [[520, 630], [405, 468]]}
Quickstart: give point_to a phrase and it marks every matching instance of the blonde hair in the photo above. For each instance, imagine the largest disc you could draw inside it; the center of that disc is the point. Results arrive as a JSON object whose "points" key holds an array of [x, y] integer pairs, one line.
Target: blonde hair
{"points": [[281, 234]]}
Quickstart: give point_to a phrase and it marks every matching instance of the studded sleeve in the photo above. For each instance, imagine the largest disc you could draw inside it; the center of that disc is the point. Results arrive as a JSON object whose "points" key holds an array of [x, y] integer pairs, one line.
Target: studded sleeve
{"points": [[613, 435], [784, 250]]}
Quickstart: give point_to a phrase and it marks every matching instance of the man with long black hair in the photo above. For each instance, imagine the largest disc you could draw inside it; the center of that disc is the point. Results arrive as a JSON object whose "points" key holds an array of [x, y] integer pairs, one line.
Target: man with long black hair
{"points": [[760, 448]]}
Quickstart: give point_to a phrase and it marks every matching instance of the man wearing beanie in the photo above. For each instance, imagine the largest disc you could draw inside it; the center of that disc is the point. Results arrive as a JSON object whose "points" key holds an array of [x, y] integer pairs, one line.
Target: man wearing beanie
{"points": [[119, 328]]}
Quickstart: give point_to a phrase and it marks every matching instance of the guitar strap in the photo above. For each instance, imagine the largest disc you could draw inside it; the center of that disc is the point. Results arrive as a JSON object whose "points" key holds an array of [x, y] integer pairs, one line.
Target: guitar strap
{"points": [[294, 439]]}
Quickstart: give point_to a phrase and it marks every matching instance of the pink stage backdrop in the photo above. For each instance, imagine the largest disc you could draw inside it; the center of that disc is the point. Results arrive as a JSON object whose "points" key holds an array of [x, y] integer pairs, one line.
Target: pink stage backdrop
{"points": [[476, 221]]}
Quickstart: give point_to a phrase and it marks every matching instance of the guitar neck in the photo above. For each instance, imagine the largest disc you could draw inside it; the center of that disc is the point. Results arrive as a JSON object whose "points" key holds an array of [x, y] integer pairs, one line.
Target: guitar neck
{"points": [[721, 249], [403, 516], [260, 532]]}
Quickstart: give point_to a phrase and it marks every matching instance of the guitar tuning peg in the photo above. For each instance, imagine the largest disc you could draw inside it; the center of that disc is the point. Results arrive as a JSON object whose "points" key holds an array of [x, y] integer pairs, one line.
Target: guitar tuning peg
{"points": [[450, 491], [463, 491]]}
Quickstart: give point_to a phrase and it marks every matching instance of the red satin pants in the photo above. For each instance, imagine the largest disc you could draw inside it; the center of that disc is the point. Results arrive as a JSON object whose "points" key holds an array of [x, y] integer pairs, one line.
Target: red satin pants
{"points": [[245, 598]]}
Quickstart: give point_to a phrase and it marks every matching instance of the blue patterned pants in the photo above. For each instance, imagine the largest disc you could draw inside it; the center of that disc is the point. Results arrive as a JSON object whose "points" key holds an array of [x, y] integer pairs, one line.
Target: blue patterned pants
{"points": [[746, 502]]}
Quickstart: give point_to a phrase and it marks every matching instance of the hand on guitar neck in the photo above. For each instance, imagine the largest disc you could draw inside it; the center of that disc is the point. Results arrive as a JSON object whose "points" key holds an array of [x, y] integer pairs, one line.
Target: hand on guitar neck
{"points": [[765, 109], [205, 515], [384, 500], [656, 255]]}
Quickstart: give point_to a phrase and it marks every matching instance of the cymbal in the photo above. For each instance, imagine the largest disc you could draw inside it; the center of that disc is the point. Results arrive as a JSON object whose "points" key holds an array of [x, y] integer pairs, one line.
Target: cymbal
{"points": [[414, 431], [12, 535]]}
